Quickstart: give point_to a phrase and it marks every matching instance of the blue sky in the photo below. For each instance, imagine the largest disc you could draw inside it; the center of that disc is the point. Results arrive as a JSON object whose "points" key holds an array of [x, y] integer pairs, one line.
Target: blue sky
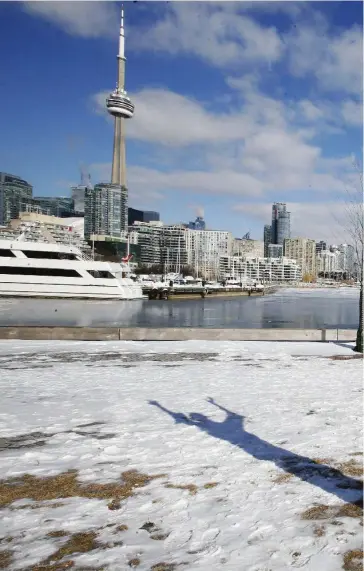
{"points": [[237, 105]]}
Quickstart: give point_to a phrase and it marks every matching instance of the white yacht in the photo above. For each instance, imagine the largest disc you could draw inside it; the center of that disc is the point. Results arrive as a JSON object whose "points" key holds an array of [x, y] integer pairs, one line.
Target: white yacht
{"points": [[40, 269]]}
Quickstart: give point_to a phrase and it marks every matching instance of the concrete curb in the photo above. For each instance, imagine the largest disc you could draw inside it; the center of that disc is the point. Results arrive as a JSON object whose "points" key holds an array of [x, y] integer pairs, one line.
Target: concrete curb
{"points": [[174, 334]]}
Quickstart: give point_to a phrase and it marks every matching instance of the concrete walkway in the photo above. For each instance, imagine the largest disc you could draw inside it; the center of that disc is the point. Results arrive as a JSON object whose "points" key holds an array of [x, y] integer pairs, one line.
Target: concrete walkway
{"points": [[175, 334]]}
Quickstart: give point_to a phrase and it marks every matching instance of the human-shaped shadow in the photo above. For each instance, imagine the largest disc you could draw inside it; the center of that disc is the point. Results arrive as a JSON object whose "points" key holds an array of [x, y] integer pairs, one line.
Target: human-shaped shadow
{"points": [[231, 429]]}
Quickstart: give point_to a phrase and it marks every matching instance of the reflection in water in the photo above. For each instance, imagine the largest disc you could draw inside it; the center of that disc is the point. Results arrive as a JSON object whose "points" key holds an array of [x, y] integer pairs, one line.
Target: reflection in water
{"points": [[287, 308], [64, 312]]}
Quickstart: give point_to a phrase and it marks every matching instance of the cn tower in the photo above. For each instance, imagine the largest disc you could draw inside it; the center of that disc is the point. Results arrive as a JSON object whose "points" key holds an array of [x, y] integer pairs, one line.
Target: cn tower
{"points": [[120, 107]]}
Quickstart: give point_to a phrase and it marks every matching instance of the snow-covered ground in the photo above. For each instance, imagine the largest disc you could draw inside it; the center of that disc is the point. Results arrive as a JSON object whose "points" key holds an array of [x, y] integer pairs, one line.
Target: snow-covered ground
{"points": [[230, 430]]}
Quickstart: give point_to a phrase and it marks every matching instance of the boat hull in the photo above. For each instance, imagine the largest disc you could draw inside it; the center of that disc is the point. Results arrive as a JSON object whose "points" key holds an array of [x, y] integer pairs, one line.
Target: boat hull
{"points": [[33, 290], [49, 270]]}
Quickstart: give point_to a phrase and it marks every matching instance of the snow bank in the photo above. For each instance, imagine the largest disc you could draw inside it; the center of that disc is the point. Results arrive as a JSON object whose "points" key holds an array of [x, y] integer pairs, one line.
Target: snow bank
{"points": [[232, 427]]}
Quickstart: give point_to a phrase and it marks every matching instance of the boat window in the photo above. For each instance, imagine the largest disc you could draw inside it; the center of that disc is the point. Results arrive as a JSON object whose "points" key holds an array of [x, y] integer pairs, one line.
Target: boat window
{"points": [[101, 274], [49, 255], [7, 253], [21, 271]]}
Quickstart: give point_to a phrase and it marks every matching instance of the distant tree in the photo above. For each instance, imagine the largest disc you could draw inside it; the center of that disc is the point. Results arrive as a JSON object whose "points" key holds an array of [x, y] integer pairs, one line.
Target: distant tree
{"points": [[188, 271], [308, 278], [355, 229], [146, 269]]}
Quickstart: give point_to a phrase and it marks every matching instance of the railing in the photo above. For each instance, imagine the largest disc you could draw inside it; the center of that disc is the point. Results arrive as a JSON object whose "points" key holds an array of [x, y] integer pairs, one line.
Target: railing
{"points": [[86, 257]]}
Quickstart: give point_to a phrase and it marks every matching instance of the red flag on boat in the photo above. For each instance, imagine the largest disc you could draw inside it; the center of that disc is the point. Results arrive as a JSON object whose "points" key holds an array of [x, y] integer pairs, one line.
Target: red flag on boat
{"points": [[127, 258]]}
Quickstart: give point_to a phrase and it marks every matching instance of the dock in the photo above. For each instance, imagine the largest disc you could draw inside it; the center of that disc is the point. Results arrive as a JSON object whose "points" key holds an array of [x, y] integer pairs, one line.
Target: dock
{"points": [[172, 293]]}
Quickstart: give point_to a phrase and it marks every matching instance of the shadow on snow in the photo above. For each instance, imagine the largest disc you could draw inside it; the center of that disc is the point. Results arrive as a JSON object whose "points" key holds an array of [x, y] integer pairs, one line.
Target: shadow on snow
{"points": [[232, 430]]}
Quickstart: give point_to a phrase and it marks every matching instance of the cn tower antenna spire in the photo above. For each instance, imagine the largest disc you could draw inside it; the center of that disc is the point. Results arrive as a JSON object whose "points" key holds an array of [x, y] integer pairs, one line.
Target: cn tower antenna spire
{"points": [[121, 53]]}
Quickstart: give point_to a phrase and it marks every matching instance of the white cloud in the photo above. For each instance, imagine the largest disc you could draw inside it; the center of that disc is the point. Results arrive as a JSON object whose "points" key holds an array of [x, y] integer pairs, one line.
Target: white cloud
{"points": [[310, 111], [215, 32], [162, 116], [258, 146], [227, 35], [144, 195], [145, 181], [254, 149], [218, 32], [336, 61], [352, 112], [84, 19]]}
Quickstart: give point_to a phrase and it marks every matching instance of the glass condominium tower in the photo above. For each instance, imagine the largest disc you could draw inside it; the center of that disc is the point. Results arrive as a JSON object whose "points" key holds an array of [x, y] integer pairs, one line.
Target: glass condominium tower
{"points": [[281, 223]]}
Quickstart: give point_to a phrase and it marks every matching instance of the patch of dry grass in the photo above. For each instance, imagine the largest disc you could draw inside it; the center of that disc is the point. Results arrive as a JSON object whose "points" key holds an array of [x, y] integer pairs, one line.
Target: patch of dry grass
{"points": [[121, 527], [114, 505], [350, 510], [210, 485], [322, 511], [351, 468], [53, 567], [192, 488], [77, 543], [345, 357], [282, 478], [52, 505], [5, 559], [163, 567], [159, 536], [66, 485], [324, 461], [134, 562], [319, 530], [57, 533], [353, 560]]}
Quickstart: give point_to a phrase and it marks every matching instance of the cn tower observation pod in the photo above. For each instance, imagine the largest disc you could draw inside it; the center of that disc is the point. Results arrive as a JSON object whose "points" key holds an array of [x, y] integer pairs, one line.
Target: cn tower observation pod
{"points": [[118, 104]]}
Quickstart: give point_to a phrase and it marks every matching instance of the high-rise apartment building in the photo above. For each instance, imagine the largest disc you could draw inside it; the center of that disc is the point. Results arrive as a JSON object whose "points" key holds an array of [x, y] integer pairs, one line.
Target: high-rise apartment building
{"points": [[204, 249], [176, 246], [248, 248], [15, 197], [321, 246], [281, 223], [198, 224], [135, 215], [78, 197], [275, 251], [303, 251], [78, 193], [280, 229], [160, 244], [281, 270], [106, 211], [267, 238], [327, 263], [347, 258], [60, 206]]}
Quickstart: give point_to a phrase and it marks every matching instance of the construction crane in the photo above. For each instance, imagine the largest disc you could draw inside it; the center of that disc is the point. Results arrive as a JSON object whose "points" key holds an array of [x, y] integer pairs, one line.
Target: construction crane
{"points": [[85, 176]]}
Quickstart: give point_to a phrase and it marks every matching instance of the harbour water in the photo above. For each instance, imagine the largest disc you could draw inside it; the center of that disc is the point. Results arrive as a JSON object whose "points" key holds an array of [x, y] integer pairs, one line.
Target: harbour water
{"points": [[287, 308]]}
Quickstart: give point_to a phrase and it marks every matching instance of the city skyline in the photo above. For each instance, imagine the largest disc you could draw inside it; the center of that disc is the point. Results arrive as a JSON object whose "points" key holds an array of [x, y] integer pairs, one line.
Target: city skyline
{"points": [[285, 132]]}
